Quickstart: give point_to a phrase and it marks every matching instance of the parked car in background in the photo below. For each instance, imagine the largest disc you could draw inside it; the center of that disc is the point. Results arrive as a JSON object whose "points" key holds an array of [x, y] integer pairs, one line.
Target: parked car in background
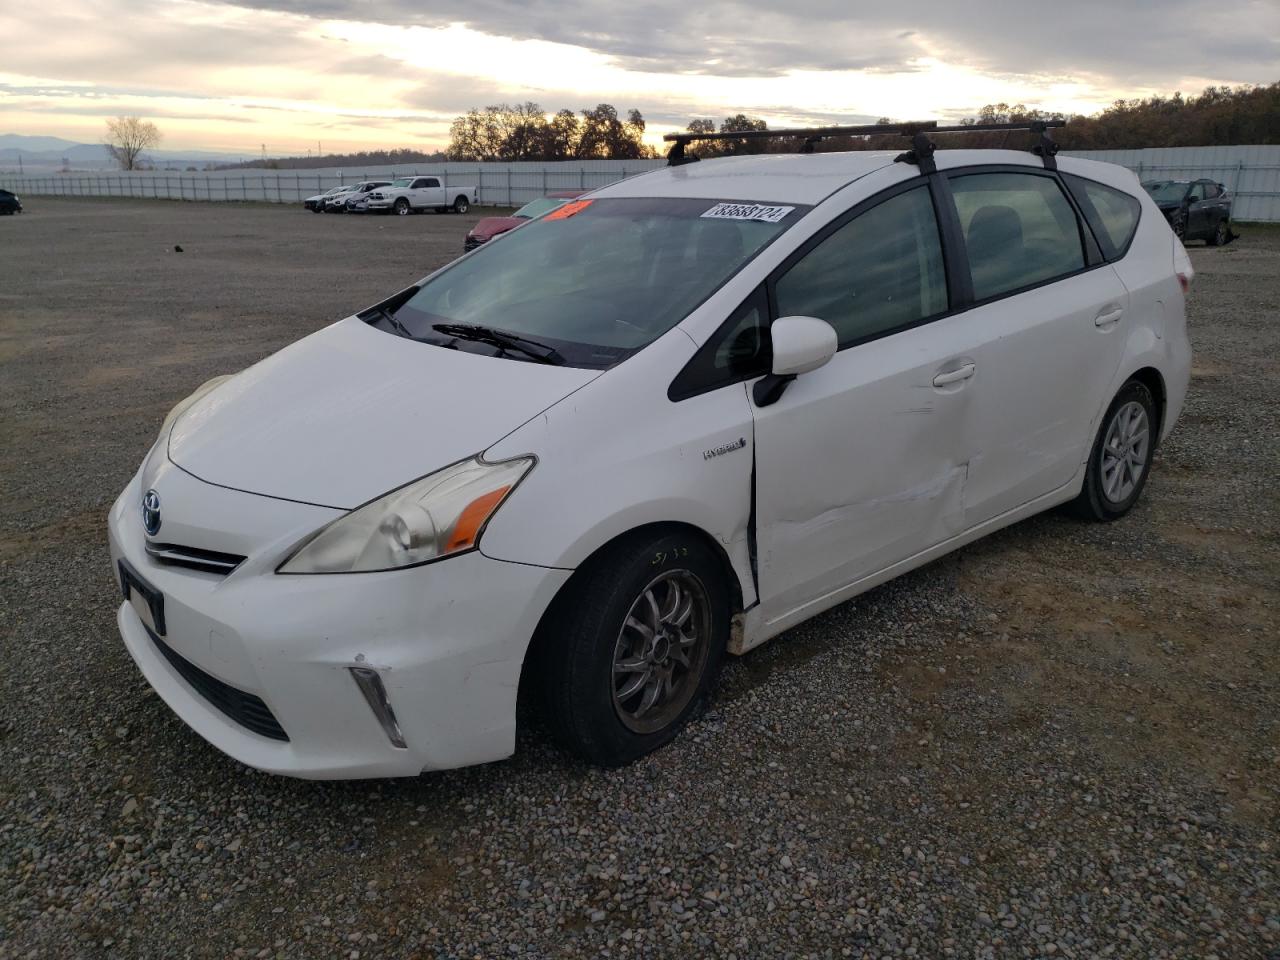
{"points": [[316, 204], [359, 202], [9, 202], [337, 202], [1195, 209], [491, 227], [414, 194], [658, 425]]}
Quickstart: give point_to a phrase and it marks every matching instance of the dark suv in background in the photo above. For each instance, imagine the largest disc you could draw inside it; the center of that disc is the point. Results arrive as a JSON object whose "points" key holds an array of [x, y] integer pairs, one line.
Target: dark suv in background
{"points": [[9, 202], [1195, 209]]}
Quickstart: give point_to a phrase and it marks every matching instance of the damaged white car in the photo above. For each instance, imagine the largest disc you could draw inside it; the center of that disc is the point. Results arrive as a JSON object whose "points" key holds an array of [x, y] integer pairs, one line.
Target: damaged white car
{"points": [[663, 423]]}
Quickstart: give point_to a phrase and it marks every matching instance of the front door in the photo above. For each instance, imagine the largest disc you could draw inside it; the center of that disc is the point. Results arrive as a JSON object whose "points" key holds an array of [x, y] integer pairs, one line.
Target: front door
{"points": [[863, 462]]}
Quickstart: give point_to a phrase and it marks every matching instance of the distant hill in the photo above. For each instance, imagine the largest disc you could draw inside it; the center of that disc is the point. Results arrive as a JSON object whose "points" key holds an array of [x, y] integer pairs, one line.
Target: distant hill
{"points": [[43, 154]]}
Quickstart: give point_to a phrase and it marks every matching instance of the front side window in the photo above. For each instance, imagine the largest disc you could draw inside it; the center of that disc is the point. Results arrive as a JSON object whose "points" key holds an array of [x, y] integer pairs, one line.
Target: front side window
{"points": [[595, 279], [1019, 231], [1112, 213], [536, 208], [880, 271], [1197, 193], [1166, 191]]}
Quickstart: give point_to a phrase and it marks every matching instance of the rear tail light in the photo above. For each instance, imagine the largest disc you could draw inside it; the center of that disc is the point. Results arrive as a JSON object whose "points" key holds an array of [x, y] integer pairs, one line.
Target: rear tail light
{"points": [[1184, 281]]}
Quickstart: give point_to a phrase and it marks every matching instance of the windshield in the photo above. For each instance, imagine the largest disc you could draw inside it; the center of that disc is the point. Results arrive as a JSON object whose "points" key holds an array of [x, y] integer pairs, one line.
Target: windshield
{"points": [[1167, 191], [402, 182], [596, 280], [536, 208]]}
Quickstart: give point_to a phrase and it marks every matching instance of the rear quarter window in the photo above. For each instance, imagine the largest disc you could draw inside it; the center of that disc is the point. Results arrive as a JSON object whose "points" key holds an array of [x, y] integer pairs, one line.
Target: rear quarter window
{"points": [[1112, 214]]}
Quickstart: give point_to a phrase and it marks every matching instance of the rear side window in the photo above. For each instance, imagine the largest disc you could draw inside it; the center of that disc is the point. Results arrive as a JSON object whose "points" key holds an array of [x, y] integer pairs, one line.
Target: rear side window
{"points": [[880, 271], [1019, 230], [1112, 214]]}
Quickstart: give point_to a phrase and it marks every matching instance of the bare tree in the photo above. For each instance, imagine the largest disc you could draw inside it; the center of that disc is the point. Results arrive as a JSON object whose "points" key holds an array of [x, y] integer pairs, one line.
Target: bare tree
{"points": [[127, 137]]}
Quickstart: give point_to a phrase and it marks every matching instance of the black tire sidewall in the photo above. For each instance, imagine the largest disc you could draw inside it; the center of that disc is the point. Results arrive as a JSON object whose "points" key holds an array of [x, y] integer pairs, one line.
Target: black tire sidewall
{"points": [[402, 208], [586, 629], [1094, 500]]}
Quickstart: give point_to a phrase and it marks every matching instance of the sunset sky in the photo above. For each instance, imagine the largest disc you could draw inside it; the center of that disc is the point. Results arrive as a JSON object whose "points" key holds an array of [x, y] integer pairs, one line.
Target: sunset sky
{"points": [[354, 74]]}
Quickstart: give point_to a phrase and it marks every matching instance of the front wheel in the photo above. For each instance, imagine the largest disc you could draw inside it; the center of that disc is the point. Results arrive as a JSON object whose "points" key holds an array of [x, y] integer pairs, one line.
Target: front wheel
{"points": [[1221, 234], [402, 207], [1121, 456], [632, 647], [461, 205]]}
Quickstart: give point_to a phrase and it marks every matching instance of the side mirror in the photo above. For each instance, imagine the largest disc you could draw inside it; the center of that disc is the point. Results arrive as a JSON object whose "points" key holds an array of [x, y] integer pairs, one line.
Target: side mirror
{"points": [[800, 344]]}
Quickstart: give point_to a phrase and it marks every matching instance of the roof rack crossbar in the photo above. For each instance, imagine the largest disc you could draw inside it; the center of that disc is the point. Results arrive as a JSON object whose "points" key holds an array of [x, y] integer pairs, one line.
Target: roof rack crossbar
{"points": [[920, 154]]}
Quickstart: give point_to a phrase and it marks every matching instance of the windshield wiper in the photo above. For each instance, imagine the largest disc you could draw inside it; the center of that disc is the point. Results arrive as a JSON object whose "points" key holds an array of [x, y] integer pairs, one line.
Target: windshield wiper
{"points": [[501, 339]]}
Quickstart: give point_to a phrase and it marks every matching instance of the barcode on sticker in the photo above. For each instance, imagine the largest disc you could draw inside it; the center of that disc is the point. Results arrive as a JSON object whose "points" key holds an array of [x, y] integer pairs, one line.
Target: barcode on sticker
{"points": [[748, 211]]}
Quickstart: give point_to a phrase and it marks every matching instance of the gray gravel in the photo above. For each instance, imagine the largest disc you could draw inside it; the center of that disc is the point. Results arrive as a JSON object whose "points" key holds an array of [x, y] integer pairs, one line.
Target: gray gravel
{"points": [[1060, 742]]}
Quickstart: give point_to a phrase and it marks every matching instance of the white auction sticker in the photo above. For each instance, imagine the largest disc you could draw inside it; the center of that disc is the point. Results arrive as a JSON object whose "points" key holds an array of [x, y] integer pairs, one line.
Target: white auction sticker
{"points": [[748, 211]]}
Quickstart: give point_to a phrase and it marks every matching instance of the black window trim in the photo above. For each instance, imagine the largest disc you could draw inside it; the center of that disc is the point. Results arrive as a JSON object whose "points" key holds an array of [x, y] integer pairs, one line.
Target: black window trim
{"points": [[955, 259], [1086, 207]]}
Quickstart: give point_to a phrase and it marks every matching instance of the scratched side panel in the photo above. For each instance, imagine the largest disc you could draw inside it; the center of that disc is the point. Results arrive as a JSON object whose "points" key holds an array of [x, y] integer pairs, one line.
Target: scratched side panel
{"points": [[863, 463]]}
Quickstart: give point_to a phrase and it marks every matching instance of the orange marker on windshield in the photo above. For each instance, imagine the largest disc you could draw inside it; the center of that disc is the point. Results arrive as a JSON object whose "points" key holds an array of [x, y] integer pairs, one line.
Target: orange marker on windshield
{"points": [[568, 210]]}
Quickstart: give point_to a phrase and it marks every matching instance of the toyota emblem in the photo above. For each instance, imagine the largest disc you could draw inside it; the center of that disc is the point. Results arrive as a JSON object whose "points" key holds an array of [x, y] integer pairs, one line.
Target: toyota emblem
{"points": [[151, 513]]}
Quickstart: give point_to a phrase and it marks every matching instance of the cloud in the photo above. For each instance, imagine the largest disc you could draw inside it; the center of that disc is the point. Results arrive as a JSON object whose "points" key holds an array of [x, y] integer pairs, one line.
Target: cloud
{"points": [[1143, 42]]}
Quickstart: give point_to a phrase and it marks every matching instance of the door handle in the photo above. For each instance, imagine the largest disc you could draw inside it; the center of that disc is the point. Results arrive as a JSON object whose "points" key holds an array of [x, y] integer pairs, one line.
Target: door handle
{"points": [[1108, 318], [955, 376]]}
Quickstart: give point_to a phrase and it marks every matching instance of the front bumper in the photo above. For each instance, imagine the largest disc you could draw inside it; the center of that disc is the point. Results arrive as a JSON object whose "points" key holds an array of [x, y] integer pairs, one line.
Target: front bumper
{"points": [[447, 641]]}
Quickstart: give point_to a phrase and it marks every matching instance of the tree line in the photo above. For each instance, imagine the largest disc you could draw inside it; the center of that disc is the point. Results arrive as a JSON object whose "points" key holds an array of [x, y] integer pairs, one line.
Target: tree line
{"points": [[526, 132], [1218, 116]]}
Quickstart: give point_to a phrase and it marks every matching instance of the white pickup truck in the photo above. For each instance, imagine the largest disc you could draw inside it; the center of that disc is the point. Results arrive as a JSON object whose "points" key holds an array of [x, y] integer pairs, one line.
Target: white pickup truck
{"points": [[409, 194]]}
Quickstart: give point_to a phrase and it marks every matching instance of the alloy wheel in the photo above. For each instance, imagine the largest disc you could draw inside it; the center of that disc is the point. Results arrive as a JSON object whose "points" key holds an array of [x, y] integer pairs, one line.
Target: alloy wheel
{"points": [[661, 651], [1125, 451]]}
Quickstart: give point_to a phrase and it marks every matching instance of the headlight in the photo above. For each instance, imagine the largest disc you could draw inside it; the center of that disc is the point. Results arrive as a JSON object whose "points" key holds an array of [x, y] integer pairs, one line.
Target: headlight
{"points": [[435, 517], [182, 406]]}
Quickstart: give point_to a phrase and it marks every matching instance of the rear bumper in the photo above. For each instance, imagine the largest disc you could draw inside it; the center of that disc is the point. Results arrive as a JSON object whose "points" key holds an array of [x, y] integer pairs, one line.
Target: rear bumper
{"points": [[447, 642]]}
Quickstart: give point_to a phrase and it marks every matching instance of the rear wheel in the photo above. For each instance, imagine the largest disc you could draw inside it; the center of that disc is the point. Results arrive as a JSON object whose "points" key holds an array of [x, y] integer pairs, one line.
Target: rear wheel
{"points": [[632, 647], [1179, 224], [461, 205], [1121, 457], [402, 207]]}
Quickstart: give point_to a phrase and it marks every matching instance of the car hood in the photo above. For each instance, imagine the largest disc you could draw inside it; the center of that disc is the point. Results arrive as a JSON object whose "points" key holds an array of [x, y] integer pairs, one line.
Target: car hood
{"points": [[490, 227], [350, 413]]}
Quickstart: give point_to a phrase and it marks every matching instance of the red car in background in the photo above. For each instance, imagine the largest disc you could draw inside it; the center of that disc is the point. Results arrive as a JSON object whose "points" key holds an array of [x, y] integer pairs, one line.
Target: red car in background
{"points": [[490, 227]]}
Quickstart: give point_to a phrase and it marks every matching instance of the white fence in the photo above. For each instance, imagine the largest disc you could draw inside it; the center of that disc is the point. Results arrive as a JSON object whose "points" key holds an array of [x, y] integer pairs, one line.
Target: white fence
{"points": [[499, 184], [1251, 173]]}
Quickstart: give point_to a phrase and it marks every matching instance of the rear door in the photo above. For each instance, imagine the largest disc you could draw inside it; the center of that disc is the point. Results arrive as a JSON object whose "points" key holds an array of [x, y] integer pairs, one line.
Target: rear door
{"points": [[1198, 207], [1051, 313]]}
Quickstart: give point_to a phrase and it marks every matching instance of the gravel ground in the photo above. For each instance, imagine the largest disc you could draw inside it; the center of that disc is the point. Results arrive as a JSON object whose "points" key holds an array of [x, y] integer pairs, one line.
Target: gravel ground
{"points": [[1063, 741]]}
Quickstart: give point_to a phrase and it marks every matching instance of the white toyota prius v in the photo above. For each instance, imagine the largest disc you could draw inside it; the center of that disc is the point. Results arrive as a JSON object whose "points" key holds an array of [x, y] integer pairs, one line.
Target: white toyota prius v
{"points": [[663, 423]]}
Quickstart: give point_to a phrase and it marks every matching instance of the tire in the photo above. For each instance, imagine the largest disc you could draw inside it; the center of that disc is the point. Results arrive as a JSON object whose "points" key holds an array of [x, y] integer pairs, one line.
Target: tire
{"points": [[402, 207], [1113, 484], [1221, 234], [1179, 225], [461, 205], [605, 618]]}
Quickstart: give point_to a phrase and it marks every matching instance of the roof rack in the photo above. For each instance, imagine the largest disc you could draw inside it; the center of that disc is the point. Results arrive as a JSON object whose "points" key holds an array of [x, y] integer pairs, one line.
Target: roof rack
{"points": [[920, 154]]}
